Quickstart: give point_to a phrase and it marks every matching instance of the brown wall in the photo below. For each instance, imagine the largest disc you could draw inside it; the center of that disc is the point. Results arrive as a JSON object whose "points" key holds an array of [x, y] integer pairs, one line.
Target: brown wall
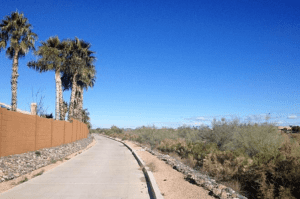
{"points": [[20, 133]]}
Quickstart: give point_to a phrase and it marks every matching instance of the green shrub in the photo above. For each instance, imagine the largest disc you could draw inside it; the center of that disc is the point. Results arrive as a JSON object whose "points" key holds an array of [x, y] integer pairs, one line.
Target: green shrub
{"points": [[38, 174], [222, 133], [115, 129], [274, 176], [256, 139], [25, 180]]}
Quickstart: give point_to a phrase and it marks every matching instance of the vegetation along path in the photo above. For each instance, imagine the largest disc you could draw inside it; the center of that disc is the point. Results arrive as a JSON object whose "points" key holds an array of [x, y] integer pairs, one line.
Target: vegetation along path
{"points": [[107, 170]]}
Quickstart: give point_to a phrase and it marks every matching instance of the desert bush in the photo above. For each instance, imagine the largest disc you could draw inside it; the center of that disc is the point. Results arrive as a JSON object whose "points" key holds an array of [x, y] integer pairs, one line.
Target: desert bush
{"points": [[115, 129], [256, 139], [192, 134], [168, 145], [200, 150], [296, 137], [222, 133], [274, 177], [190, 161], [152, 136], [295, 129], [192, 152], [226, 164]]}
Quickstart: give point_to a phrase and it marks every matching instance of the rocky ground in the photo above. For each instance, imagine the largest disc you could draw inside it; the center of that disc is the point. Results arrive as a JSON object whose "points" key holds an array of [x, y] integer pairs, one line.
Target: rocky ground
{"points": [[17, 165]]}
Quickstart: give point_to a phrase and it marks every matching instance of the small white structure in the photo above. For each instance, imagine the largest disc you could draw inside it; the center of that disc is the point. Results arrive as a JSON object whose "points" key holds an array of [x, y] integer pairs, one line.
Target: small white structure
{"points": [[33, 108], [19, 110]]}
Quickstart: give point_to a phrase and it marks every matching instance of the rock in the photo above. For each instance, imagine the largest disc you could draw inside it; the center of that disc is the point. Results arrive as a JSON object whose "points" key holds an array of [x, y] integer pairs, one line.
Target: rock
{"points": [[208, 186], [241, 197], [229, 190], [224, 194], [200, 181], [217, 192], [220, 186]]}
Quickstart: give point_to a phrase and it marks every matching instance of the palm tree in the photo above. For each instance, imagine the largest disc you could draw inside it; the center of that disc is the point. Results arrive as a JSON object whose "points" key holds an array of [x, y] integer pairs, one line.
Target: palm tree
{"points": [[16, 30], [84, 80], [86, 118], [51, 57], [79, 58]]}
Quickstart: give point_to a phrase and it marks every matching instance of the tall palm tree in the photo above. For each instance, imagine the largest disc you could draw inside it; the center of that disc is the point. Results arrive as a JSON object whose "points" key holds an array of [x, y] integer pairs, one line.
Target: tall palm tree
{"points": [[84, 80], [79, 58], [16, 30], [88, 78], [51, 58]]}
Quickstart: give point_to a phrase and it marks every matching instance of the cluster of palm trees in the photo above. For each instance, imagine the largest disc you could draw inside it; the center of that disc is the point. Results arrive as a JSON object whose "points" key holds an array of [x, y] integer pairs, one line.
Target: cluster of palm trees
{"points": [[71, 60]]}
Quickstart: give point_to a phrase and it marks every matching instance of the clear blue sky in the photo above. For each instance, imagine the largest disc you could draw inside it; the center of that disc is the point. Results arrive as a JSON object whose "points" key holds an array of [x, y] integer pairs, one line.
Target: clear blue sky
{"points": [[170, 63]]}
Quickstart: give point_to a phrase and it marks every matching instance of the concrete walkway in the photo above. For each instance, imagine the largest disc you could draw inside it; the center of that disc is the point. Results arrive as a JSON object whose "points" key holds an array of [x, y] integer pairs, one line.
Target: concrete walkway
{"points": [[107, 170]]}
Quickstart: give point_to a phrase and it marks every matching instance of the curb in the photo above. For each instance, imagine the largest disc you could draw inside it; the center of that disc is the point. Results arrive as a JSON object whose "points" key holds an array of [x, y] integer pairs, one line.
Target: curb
{"points": [[153, 187]]}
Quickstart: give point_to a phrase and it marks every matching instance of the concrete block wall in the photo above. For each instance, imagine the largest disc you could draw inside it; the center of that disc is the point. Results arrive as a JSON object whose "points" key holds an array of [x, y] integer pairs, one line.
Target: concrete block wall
{"points": [[20, 133], [43, 133]]}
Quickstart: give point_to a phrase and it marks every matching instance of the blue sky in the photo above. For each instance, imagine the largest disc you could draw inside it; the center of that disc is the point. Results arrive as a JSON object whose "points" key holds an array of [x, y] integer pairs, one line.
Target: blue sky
{"points": [[171, 63]]}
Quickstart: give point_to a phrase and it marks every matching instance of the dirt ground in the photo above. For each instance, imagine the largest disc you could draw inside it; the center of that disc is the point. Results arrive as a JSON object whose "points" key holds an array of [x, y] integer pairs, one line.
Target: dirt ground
{"points": [[171, 183], [4, 186]]}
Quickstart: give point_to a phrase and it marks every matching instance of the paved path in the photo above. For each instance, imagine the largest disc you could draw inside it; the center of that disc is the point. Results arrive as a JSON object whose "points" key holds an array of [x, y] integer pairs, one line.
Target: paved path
{"points": [[107, 170]]}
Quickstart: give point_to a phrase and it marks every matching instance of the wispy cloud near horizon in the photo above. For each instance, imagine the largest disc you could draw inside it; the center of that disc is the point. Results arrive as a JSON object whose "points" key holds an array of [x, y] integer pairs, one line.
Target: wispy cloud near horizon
{"points": [[292, 117]]}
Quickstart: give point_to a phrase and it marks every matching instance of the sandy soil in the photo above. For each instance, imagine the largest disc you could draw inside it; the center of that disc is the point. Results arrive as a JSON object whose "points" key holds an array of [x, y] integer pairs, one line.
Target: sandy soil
{"points": [[170, 182], [4, 186]]}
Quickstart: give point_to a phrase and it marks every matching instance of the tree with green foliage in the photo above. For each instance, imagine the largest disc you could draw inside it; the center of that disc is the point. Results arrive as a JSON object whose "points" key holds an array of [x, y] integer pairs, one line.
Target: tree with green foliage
{"points": [[79, 59], [295, 129], [16, 31], [86, 118], [84, 80], [51, 58]]}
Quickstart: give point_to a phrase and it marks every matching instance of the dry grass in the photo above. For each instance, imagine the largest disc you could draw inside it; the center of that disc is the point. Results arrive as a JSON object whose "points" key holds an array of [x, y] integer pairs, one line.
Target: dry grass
{"points": [[38, 174], [189, 161], [24, 180], [234, 184], [151, 166]]}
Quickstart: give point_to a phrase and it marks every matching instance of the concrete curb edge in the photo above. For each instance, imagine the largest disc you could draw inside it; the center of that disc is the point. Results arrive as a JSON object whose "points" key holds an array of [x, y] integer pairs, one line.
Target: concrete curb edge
{"points": [[148, 174]]}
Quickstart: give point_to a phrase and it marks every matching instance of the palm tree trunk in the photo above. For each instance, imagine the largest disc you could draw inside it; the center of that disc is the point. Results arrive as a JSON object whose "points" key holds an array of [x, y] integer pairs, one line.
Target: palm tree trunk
{"points": [[57, 104], [74, 88], [75, 114], [78, 100], [80, 104], [65, 110], [61, 101], [14, 82]]}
